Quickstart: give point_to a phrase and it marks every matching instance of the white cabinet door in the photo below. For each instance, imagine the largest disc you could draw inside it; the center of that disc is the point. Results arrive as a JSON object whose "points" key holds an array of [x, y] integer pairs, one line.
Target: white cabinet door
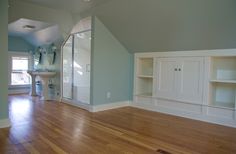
{"points": [[166, 77], [190, 80]]}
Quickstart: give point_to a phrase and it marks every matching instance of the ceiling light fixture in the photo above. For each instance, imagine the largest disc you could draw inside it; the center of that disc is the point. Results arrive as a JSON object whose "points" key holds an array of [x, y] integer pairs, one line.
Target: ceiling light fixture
{"points": [[29, 27]]}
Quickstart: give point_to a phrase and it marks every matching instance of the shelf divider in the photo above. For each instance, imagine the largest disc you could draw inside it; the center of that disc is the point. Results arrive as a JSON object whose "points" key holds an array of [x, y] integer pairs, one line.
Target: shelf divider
{"points": [[144, 76], [223, 81]]}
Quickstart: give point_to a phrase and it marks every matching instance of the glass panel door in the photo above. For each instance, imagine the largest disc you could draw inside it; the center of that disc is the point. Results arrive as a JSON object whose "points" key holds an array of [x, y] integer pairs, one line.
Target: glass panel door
{"points": [[82, 54], [67, 64]]}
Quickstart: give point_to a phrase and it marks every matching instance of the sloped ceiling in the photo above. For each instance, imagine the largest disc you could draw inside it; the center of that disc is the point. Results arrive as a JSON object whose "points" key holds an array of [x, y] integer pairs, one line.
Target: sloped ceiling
{"points": [[45, 36], [156, 25], [52, 18], [16, 28], [73, 6], [170, 25], [42, 34]]}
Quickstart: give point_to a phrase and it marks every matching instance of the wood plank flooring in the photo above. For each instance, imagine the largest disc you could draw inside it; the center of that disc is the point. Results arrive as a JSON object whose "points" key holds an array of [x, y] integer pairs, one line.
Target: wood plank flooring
{"points": [[52, 127]]}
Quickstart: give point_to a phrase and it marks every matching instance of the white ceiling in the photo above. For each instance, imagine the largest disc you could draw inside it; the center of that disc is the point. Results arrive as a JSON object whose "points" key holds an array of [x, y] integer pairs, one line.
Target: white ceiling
{"points": [[73, 6], [45, 36], [43, 33], [16, 28]]}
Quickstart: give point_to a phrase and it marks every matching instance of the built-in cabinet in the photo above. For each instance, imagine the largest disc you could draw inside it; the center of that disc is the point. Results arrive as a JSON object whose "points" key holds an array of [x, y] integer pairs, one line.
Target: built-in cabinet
{"points": [[166, 77], [180, 78], [195, 85]]}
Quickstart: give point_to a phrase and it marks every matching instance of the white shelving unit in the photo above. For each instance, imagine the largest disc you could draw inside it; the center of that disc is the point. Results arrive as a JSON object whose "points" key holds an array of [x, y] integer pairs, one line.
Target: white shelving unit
{"points": [[223, 82], [194, 84], [223, 95], [144, 77]]}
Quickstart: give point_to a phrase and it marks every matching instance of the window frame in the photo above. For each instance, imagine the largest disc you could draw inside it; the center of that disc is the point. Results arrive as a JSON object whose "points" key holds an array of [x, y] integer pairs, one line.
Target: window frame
{"points": [[12, 54]]}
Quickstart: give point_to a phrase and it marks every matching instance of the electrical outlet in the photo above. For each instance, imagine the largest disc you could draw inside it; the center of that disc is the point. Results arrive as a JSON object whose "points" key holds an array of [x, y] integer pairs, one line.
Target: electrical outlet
{"points": [[108, 95]]}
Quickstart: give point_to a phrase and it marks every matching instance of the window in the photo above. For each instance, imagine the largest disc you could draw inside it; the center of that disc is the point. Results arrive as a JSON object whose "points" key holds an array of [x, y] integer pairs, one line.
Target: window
{"points": [[19, 64]]}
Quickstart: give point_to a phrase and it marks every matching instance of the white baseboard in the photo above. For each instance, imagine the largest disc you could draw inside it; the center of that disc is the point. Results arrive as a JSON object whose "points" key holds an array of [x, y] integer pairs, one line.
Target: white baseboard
{"points": [[18, 91], [96, 108], [76, 104], [55, 98], [189, 115], [4, 123], [109, 106]]}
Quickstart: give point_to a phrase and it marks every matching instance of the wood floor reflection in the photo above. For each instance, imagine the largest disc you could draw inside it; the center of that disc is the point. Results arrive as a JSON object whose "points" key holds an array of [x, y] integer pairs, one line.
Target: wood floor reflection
{"points": [[52, 127]]}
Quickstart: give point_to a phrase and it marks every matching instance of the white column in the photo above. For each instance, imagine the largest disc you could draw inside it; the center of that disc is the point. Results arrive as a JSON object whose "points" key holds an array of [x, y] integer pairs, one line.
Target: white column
{"points": [[33, 88], [45, 95]]}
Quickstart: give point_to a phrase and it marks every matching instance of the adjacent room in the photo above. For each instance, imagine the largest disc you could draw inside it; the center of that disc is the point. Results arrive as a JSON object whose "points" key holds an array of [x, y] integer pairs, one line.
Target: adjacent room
{"points": [[118, 76]]}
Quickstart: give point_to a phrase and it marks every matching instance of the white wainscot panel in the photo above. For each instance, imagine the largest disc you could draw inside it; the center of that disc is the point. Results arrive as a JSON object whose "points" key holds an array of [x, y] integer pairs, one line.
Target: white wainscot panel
{"points": [[179, 106], [220, 113], [144, 102]]}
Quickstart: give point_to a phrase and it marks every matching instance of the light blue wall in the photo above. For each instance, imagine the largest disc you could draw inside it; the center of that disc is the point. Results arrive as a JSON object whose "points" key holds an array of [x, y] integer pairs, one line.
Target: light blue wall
{"points": [[19, 44], [3, 58], [111, 67]]}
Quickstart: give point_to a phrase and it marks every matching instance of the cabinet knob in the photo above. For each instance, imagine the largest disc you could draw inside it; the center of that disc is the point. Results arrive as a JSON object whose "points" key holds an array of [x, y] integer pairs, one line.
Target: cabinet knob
{"points": [[176, 69], [179, 69]]}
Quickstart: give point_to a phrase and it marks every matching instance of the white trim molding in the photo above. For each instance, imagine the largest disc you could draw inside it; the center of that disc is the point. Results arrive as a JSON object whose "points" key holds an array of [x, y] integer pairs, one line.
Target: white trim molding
{"points": [[4, 123], [177, 111], [109, 106], [76, 104], [96, 108], [195, 53], [18, 91]]}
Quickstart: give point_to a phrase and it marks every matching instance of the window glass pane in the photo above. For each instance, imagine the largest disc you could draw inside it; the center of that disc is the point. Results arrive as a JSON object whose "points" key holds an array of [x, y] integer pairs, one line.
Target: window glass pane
{"points": [[20, 63], [20, 78], [19, 75]]}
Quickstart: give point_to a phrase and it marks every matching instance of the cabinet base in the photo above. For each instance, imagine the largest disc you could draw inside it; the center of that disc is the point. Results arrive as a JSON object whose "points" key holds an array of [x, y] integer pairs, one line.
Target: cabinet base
{"points": [[226, 117]]}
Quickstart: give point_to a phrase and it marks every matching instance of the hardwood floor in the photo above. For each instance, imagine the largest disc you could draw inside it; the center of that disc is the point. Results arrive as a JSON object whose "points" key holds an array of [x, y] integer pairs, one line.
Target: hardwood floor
{"points": [[51, 127]]}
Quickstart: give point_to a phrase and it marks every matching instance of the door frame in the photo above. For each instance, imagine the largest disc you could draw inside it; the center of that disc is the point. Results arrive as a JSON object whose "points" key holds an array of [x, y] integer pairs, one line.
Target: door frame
{"points": [[61, 64]]}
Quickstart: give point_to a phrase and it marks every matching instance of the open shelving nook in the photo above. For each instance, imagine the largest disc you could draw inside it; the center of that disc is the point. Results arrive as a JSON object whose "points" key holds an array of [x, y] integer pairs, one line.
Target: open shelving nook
{"points": [[223, 95], [144, 77], [223, 82]]}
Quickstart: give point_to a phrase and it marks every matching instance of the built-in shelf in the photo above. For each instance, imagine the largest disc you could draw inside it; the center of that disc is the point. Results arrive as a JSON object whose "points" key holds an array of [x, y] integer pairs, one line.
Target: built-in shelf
{"points": [[145, 95], [223, 81], [224, 105], [145, 66], [223, 68], [223, 94], [145, 76]]}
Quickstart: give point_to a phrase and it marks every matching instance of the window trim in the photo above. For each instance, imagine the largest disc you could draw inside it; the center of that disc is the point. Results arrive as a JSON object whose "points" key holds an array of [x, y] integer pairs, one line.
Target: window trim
{"points": [[18, 54]]}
